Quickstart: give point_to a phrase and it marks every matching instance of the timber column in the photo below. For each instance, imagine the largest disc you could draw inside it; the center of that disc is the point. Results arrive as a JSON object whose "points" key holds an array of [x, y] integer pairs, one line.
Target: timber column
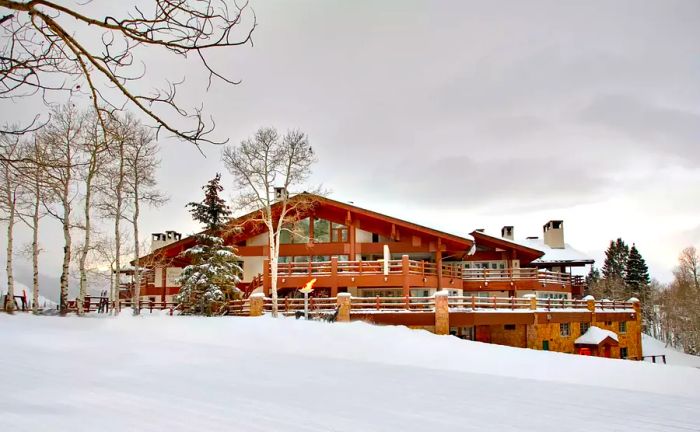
{"points": [[404, 275], [266, 277], [442, 313], [438, 264]]}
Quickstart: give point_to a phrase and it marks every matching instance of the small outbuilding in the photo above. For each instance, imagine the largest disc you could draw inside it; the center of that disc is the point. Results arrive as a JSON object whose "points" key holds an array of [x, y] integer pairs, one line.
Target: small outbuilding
{"points": [[597, 342]]}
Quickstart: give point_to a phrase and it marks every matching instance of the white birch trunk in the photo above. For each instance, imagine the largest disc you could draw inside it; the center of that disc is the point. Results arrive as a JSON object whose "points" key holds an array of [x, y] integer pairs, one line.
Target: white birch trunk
{"points": [[135, 223], [67, 239], [35, 248], [117, 231], [10, 240], [86, 242]]}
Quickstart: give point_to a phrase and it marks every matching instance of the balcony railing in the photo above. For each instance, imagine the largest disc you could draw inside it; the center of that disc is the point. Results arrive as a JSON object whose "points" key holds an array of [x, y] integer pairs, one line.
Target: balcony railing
{"points": [[423, 268]]}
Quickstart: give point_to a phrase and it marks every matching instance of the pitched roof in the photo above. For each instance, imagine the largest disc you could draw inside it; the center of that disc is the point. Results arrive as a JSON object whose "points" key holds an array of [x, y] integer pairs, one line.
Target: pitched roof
{"points": [[595, 335], [556, 256], [462, 242]]}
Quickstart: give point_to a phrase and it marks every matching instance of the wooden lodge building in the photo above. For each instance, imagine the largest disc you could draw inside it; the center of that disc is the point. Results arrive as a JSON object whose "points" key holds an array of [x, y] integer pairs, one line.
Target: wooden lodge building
{"points": [[388, 267]]}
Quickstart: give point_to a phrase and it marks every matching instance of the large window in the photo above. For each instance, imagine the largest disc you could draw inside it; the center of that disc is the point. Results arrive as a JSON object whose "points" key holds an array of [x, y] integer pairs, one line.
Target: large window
{"points": [[297, 233], [322, 231]]}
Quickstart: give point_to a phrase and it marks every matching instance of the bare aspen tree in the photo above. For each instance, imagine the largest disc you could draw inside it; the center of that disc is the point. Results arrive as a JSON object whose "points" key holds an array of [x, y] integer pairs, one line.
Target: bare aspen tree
{"points": [[56, 47], [141, 162], [33, 212], [259, 165], [60, 139], [10, 148], [92, 149], [111, 202]]}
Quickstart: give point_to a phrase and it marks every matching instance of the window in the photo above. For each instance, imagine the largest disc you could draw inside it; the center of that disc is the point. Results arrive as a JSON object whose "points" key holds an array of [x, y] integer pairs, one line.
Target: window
{"points": [[339, 233], [322, 231], [584, 327], [545, 345], [622, 326], [565, 329], [295, 233], [623, 353], [509, 327], [375, 238]]}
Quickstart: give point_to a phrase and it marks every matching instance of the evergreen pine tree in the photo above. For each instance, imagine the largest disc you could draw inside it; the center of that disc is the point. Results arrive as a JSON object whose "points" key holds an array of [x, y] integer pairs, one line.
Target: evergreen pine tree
{"points": [[614, 270], [213, 212], [616, 260], [213, 271], [636, 273]]}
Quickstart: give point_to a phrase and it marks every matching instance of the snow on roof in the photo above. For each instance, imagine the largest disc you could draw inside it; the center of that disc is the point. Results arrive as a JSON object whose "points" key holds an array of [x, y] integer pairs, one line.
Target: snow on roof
{"points": [[594, 336], [551, 255]]}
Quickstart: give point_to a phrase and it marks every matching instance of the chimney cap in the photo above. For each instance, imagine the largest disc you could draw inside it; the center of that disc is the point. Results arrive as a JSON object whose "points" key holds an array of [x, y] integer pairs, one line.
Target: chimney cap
{"points": [[553, 224]]}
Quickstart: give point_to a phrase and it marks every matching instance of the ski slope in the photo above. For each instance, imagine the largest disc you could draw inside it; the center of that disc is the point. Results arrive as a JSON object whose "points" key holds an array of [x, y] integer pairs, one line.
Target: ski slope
{"points": [[159, 373]]}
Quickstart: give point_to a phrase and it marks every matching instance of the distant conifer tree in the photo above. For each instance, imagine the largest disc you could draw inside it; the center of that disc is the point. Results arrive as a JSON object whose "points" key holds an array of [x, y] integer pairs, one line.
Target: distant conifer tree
{"points": [[636, 272]]}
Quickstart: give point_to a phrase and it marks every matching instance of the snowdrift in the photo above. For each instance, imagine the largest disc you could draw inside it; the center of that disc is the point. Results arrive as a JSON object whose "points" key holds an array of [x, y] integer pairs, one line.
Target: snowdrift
{"points": [[187, 373]]}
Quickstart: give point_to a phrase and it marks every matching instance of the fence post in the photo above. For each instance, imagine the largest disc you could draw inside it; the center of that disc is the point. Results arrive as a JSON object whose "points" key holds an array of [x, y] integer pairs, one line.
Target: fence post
{"points": [[344, 304], [533, 300], [257, 304], [442, 313]]}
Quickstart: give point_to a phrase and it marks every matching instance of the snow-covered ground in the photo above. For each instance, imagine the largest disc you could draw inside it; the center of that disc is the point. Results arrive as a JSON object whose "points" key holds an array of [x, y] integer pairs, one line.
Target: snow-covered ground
{"points": [[258, 374], [651, 346]]}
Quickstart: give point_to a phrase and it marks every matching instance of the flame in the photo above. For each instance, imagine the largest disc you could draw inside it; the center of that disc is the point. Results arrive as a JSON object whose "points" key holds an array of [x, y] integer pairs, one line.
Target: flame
{"points": [[310, 284]]}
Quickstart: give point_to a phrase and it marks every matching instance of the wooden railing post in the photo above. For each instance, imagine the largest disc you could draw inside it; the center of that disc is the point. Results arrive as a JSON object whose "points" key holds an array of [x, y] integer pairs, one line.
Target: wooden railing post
{"points": [[344, 301], [442, 313]]}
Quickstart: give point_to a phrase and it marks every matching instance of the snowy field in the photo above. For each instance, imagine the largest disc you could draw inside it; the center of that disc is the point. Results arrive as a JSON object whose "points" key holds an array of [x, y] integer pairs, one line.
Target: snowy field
{"points": [[259, 374]]}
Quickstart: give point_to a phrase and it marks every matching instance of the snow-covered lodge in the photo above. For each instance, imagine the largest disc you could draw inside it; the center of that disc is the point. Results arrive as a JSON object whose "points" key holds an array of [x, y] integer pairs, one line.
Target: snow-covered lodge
{"points": [[398, 265]]}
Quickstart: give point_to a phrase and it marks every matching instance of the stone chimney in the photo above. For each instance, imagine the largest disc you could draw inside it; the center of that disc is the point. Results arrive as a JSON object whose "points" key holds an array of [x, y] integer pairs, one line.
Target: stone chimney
{"points": [[158, 240], [554, 234], [508, 232]]}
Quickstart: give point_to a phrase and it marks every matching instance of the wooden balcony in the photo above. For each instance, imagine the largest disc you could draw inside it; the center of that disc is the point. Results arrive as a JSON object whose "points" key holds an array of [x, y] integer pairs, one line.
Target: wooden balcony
{"points": [[407, 274]]}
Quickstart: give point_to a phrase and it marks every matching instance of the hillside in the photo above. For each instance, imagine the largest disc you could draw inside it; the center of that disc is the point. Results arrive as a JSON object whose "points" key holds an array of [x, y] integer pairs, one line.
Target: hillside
{"points": [[181, 374]]}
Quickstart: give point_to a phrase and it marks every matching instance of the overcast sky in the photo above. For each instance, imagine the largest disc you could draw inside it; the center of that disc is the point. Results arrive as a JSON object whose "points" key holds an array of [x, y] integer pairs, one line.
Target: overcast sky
{"points": [[462, 115]]}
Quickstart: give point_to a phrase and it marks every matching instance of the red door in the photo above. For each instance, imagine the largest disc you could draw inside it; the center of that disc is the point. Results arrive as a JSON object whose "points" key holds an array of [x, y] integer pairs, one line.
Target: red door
{"points": [[606, 351]]}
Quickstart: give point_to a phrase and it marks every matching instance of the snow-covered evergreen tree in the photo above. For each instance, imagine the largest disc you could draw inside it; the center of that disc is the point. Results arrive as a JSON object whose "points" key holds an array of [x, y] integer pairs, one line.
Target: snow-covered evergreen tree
{"points": [[213, 272]]}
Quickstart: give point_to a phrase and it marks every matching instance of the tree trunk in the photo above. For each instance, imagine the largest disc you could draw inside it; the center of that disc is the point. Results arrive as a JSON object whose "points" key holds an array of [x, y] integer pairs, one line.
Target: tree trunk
{"points": [[35, 249], [135, 222], [274, 259], [66, 254], [86, 245], [10, 306], [117, 231]]}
